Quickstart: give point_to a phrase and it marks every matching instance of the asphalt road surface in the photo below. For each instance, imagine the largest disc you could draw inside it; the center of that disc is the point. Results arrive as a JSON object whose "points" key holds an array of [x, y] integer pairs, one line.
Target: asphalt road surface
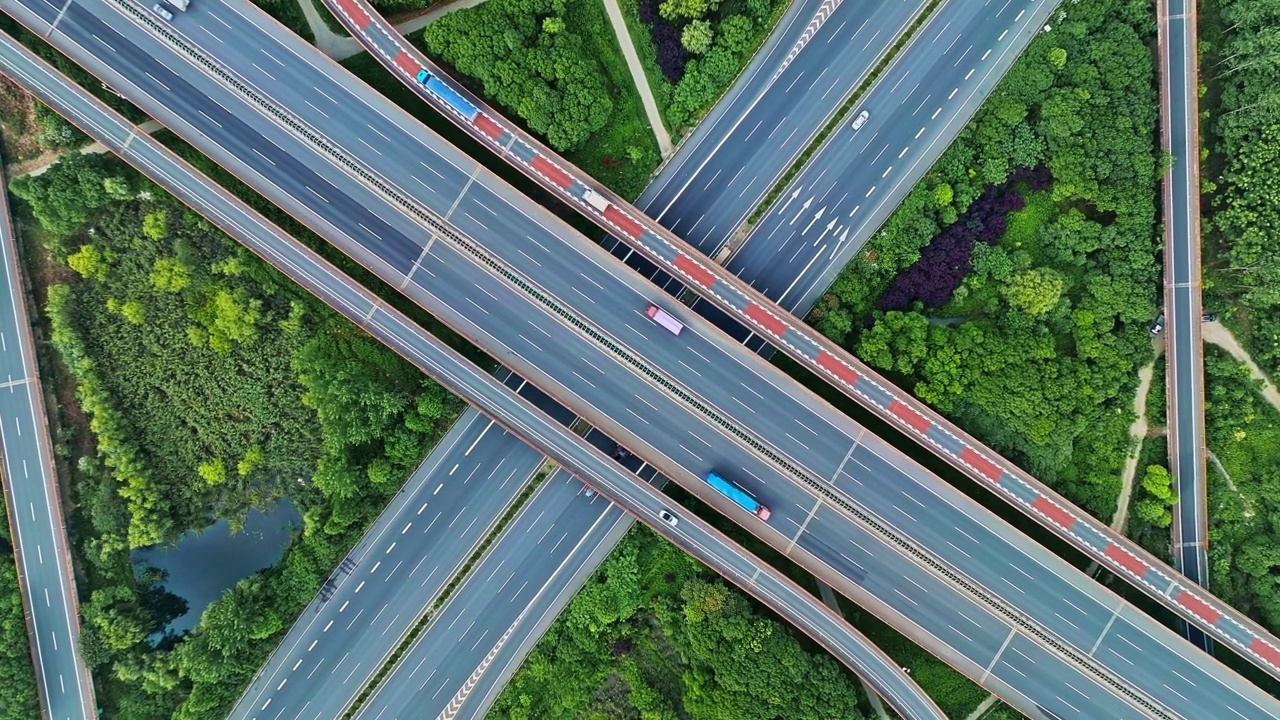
{"points": [[854, 183], [35, 515], [449, 271], [763, 102], [400, 566], [734, 156], [393, 328], [1180, 128], [1228, 625]]}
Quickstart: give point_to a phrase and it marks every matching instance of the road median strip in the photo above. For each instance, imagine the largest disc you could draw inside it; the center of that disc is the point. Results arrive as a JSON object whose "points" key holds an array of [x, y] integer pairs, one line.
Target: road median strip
{"points": [[406, 641], [838, 117]]}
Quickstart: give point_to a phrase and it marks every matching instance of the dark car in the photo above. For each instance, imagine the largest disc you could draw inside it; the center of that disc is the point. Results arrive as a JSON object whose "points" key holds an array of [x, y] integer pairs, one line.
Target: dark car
{"points": [[620, 453], [1209, 317], [1157, 327]]}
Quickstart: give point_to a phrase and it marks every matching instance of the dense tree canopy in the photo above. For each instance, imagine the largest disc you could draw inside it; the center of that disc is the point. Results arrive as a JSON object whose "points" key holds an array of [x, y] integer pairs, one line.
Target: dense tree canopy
{"points": [[1244, 201], [655, 635], [1013, 287], [544, 76], [18, 701], [1244, 435], [211, 385]]}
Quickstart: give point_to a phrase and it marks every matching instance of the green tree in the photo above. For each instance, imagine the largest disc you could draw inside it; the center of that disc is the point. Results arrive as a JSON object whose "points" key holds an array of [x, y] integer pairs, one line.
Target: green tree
{"points": [[697, 36], [228, 317], [169, 275], [155, 225], [213, 472], [19, 701], [251, 461], [543, 73], [737, 34], [943, 194], [1157, 497], [897, 342], [1035, 291], [133, 311], [687, 9], [119, 621], [66, 195], [90, 262]]}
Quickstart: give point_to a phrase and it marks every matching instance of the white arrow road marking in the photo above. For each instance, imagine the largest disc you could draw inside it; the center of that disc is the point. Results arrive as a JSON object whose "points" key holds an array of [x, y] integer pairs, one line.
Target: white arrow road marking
{"points": [[815, 24], [803, 208], [815, 219], [455, 705], [824, 232]]}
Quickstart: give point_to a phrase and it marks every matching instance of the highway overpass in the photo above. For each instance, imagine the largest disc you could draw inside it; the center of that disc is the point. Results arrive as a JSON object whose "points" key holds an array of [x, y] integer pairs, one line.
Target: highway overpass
{"points": [[1180, 137], [501, 401], [443, 264], [774, 104], [288, 170], [760, 316], [832, 46]]}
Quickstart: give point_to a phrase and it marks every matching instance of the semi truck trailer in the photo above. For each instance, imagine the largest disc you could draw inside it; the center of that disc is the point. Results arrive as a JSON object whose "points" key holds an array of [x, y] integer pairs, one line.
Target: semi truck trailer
{"points": [[663, 318], [739, 496]]}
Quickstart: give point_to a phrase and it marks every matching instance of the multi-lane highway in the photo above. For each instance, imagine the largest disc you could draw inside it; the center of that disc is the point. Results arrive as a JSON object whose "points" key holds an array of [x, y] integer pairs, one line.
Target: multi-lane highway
{"points": [[393, 328], [849, 188], [743, 147], [35, 513], [756, 93], [449, 505], [742, 303], [753, 99], [747, 306], [356, 209], [448, 270], [773, 105], [1179, 136]]}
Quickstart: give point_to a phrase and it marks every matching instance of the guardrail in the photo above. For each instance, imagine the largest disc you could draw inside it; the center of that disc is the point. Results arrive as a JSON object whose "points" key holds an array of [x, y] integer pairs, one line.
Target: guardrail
{"points": [[455, 372], [826, 359], [478, 255]]}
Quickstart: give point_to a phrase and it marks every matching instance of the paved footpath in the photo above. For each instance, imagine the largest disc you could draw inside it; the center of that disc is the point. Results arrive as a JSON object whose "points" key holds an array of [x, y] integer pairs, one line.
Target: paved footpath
{"points": [[638, 77]]}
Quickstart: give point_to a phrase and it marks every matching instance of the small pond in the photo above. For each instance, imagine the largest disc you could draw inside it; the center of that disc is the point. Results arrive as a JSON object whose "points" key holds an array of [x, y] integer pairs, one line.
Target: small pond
{"points": [[203, 564]]}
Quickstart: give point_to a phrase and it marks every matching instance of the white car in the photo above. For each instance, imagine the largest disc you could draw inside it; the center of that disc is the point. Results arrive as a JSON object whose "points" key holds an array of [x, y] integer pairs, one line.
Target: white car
{"points": [[162, 11], [861, 120], [668, 518]]}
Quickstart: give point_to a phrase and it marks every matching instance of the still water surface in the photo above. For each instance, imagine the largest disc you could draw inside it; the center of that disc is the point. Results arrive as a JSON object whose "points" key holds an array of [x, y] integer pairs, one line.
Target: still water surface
{"points": [[203, 564]]}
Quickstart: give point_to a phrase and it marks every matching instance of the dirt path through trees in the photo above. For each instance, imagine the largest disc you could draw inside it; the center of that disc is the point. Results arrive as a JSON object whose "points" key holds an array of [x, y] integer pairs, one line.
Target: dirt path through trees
{"points": [[1219, 335], [1137, 431]]}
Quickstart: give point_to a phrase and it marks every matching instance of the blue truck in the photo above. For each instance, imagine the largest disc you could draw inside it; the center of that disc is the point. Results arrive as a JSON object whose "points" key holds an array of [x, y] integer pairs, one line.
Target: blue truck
{"points": [[738, 495], [442, 90]]}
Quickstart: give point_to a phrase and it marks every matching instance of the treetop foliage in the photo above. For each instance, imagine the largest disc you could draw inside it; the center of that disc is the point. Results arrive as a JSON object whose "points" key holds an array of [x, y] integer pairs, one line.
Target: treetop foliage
{"points": [[1013, 288], [656, 635], [537, 69], [211, 386]]}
